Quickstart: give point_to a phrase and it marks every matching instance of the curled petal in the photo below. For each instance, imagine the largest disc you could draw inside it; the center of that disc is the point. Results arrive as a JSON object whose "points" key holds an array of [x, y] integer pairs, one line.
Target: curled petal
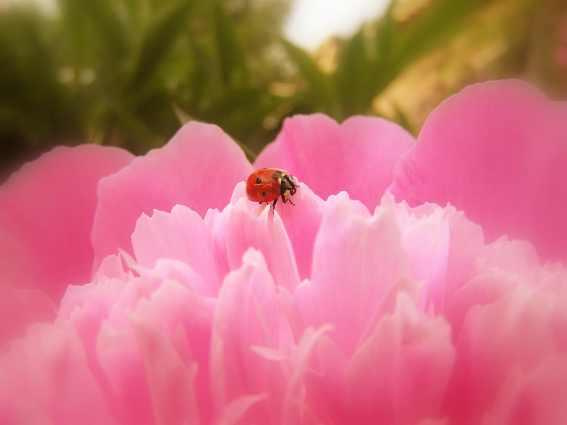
{"points": [[198, 168], [398, 374], [146, 342], [251, 313], [494, 357], [401, 372], [357, 156], [442, 249], [496, 151], [243, 225], [21, 307], [171, 382], [181, 235], [46, 216], [357, 260], [302, 223], [46, 379]]}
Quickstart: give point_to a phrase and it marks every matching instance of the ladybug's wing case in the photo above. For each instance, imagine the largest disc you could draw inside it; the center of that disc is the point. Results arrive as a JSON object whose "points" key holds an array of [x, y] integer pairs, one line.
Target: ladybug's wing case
{"points": [[263, 185], [268, 174]]}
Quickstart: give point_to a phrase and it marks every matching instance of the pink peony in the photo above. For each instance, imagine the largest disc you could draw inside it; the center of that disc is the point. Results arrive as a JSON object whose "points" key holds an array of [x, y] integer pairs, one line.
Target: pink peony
{"points": [[389, 294]]}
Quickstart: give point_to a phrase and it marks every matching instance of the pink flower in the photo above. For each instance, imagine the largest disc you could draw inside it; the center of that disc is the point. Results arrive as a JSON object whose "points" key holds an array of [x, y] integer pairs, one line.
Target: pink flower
{"points": [[204, 308], [46, 216]]}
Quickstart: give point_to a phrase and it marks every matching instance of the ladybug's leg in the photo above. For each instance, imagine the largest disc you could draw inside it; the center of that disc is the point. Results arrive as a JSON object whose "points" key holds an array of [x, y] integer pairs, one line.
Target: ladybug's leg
{"points": [[286, 198], [274, 203]]}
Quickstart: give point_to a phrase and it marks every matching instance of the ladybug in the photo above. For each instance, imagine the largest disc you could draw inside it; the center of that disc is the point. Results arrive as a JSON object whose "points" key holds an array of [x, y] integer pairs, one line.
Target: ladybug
{"points": [[269, 184]]}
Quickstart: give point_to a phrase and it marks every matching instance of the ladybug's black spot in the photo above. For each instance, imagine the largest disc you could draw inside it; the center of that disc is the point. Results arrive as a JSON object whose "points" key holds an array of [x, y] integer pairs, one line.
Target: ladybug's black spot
{"points": [[258, 180], [264, 194]]}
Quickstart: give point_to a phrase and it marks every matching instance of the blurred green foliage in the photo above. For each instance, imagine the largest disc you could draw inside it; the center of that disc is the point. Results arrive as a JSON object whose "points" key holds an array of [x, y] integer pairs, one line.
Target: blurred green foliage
{"points": [[127, 72], [121, 72], [370, 60]]}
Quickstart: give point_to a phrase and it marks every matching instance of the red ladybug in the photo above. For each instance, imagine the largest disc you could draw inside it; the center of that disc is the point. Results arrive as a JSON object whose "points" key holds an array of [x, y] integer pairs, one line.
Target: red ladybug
{"points": [[269, 184]]}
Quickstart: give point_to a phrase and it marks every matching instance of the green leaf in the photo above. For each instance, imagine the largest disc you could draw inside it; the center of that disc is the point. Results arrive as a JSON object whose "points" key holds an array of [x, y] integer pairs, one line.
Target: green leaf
{"points": [[319, 85], [102, 19], [198, 79], [29, 80], [231, 59], [435, 24], [398, 45], [384, 37], [353, 75], [402, 119], [158, 41]]}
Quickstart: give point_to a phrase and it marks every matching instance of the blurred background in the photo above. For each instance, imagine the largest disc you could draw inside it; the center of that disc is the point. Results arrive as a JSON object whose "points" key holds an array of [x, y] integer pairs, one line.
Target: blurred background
{"points": [[129, 72]]}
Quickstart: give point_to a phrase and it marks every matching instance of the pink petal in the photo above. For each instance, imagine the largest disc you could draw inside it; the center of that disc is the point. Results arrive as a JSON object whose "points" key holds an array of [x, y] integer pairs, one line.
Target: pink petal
{"points": [[46, 216], [442, 248], [298, 407], [543, 396], [302, 223], [143, 338], [181, 235], [398, 374], [170, 382], [46, 379], [358, 259], [250, 314], [497, 151], [158, 377], [426, 238], [493, 353], [238, 411], [430, 421], [198, 168], [401, 372], [21, 307], [533, 397], [243, 225], [358, 155]]}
